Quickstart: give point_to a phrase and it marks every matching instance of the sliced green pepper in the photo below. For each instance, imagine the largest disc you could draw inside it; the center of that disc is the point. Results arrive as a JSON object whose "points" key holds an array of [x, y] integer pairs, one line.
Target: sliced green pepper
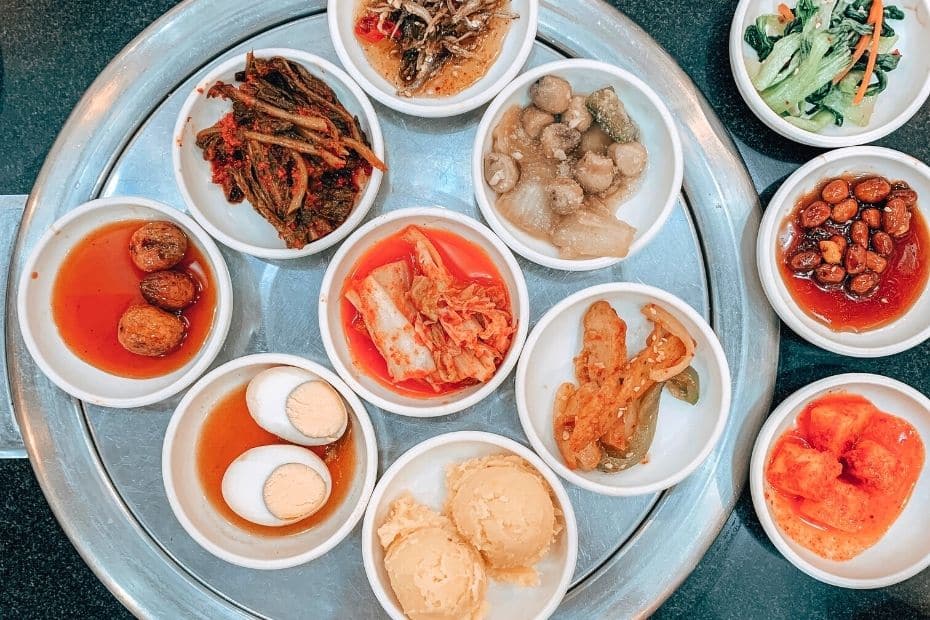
{"points": [[685, 386], [647, 415]]}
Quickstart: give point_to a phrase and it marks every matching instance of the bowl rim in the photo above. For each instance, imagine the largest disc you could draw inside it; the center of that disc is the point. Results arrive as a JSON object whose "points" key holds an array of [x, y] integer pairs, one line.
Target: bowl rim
{"points": [[328, 331], [364, 202], [489, 210], [493, 439], [757, 466], [777, 124], [368, 435], [407, 105], [677, 306], [772, 282], [211, 346]]}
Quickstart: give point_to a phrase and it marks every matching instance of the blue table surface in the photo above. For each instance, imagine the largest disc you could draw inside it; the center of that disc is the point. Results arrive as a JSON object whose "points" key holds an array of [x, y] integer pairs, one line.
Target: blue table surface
{"points": [[50, 52]]}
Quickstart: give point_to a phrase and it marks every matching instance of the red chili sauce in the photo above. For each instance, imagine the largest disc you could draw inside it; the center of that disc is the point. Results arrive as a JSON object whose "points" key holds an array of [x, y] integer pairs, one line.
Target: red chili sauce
{"points": [[842, 476], [229, 431], [465, 261], [98, 281], [835, 306]]}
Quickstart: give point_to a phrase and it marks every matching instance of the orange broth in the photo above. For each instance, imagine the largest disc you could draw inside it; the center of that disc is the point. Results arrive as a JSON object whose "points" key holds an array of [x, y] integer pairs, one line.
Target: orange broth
{"points": [[465, 261], [883, 506], [229, 430], [98, 281]]}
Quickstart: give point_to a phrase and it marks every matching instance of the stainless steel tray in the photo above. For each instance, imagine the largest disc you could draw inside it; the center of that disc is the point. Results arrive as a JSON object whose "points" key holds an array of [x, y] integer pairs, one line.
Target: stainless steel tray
{"points": [[100, 468]]}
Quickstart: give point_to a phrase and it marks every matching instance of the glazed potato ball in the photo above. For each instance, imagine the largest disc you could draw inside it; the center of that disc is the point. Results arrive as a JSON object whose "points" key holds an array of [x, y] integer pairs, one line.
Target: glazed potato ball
{"points": [[551, 94], [150, 331], [169, 290], [157, 246]]}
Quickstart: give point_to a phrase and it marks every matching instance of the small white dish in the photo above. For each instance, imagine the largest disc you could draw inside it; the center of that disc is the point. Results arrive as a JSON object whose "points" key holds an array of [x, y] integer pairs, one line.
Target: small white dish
{"points": [[342, 265], [685, 434], [906, 332], [908, 85], [37, 324], [209, 528], [516, 48], [661, 181], [239, 226], [904, 550], [421, 471]]}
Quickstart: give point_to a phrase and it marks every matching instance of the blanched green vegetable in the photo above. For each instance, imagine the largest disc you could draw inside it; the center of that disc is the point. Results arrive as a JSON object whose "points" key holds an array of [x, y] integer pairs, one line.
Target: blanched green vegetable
{"points": [[685, 386], [806, 64]]}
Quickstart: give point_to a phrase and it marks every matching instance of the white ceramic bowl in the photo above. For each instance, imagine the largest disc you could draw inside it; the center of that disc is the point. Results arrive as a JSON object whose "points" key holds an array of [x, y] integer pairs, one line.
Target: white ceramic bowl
{"points": [[343, 263], [209, 528], [661, 182], [421, 471], [516, 49], [908, 85], [239, 226], [904, 550], [906, 332], [685, 434], [45, 344]]}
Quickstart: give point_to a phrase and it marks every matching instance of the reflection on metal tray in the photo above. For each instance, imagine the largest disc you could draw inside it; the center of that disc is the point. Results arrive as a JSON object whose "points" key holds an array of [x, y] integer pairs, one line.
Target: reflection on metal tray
{"points": [[100, 468], [11, 442]]}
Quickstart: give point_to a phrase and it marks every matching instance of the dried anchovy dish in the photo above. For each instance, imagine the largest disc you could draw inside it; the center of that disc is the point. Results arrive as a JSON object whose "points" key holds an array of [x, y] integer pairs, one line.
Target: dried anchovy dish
{"points": [[425, 36], [290, 148]]}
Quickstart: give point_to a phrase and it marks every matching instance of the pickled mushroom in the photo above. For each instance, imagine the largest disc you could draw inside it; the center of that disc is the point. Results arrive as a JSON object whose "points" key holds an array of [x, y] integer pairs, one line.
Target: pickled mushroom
{"points": [[560, 176], [552, 94]]}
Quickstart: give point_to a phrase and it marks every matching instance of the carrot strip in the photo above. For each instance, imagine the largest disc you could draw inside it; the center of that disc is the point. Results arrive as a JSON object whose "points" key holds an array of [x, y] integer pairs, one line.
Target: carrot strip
{"points": [[876, 12], [861, 46], [785, 13]]}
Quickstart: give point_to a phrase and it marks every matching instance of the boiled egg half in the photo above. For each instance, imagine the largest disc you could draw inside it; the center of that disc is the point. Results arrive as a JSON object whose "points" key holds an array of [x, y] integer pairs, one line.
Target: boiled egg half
{"points": [[276, 485], [295, 405]]}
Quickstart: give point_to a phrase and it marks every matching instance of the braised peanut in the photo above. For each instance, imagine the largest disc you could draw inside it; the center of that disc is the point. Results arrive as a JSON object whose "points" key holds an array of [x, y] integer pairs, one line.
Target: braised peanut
{"points": [[845, 211], [855, 259], [859, 233], [909, 196], [805, 261], [874, 262], [815, 215], [831, 252], [872, 217], [882, 244], [872, 190], [840, 240], [835, 191], [830, 274], [896, 218], [864, 283]]}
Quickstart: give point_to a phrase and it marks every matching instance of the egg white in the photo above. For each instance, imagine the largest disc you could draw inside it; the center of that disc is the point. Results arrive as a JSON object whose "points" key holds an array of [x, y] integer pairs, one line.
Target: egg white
{"points": [[244, 480], [266, 397]]}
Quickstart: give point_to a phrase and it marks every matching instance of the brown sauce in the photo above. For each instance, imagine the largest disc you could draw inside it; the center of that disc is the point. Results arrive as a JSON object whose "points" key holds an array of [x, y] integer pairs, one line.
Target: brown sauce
{"points": [[229, 430]]}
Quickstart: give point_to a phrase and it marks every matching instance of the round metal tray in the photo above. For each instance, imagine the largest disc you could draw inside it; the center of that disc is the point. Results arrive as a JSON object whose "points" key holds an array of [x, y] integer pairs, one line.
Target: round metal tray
{"points": [[100, 468]]}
